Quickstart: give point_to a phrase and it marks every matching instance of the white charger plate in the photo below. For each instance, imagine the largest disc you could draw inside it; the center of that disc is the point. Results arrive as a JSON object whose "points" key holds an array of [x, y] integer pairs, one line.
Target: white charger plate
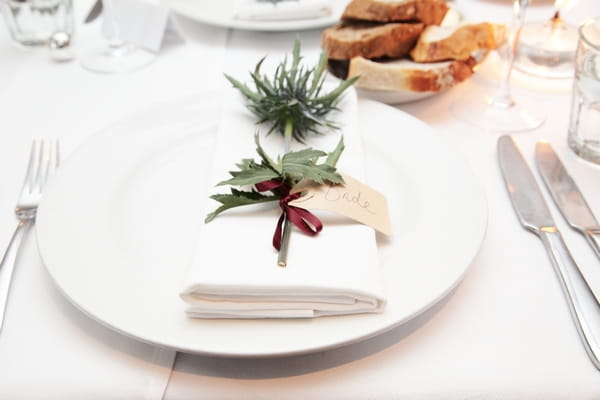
{"points": [[117, 227], [220, 13]]}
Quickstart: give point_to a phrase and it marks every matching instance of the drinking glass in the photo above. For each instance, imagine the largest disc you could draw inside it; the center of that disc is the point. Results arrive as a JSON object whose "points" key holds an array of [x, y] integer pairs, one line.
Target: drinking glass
{"points": [[499, 112], [584, 124], [117, 55], [33, 22]]}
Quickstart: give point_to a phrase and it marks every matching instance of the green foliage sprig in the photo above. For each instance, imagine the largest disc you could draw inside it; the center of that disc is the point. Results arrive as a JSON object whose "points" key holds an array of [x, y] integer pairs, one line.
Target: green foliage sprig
{"points": [[292, 101], [291, 168]]}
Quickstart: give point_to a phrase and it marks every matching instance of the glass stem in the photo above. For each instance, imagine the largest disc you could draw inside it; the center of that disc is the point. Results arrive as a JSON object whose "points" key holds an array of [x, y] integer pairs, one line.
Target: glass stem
{"points": [[114, 36], [285, 236], [504, 98]]}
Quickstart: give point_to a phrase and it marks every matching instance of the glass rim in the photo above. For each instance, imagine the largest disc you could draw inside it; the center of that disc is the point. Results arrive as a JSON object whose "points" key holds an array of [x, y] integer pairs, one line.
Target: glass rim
{"points": [[582, 35]]}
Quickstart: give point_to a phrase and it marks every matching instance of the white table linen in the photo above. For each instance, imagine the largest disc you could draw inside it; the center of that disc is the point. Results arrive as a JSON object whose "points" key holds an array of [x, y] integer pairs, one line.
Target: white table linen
{"points": [[504, 333]]}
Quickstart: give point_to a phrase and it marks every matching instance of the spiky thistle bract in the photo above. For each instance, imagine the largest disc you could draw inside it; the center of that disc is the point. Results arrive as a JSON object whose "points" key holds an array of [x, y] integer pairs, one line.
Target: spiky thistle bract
{"points": [[293, 100]]}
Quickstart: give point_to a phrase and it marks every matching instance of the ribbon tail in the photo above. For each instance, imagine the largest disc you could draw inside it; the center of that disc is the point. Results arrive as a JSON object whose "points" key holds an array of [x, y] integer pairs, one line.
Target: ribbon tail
{"points": [[278, 231], [306, 221]]}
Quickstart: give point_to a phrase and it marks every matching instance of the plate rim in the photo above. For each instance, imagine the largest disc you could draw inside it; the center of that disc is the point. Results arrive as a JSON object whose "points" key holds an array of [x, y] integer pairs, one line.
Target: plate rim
{"points": [[259, 26]]}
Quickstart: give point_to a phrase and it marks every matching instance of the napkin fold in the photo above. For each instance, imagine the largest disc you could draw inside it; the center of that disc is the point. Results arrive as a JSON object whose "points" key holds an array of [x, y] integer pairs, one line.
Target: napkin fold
{"points": [[285, 10], [235, 274]]}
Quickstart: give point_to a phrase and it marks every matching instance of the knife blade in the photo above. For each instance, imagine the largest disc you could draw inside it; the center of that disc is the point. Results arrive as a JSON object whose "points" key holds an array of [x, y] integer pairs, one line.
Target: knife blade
{"points": [[94, 12], [533, 213], [566, 195]]}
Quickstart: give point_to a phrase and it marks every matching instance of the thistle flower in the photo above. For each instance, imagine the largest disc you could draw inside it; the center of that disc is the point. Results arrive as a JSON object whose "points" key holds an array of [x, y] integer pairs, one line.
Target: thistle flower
{"points": [[293, 100]]}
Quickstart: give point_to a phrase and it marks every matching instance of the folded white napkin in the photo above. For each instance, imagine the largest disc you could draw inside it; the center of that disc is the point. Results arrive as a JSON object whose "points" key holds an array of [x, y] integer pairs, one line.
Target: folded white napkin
{"points": [[282, 10], [235, 273]]}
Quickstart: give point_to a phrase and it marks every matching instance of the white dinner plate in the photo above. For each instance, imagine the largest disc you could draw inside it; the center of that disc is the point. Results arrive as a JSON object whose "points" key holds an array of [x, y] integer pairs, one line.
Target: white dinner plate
{"points": [[220, 13], [117, 227]]}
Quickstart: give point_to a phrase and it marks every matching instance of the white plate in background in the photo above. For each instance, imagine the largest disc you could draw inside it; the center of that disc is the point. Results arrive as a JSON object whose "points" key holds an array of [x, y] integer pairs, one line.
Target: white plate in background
{"points": [[220, 13]]}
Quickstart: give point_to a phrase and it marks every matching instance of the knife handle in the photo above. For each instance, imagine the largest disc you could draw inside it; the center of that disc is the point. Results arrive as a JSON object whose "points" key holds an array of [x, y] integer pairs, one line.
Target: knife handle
{"points": [[583, 305], [593, 237]]}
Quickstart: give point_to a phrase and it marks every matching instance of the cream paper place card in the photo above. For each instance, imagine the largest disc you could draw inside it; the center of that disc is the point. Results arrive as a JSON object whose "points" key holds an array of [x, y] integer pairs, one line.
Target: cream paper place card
{"points": [[353, 199], [145, 23]]}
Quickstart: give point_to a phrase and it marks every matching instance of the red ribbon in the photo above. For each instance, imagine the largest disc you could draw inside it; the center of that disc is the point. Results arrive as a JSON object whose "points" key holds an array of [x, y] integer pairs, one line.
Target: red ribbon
{"points": [[303, 219]]}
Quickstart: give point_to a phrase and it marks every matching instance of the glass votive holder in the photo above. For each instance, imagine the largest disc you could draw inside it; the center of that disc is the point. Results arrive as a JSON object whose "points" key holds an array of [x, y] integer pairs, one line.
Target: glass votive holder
{"points": [[584, 124], [32, 22]]}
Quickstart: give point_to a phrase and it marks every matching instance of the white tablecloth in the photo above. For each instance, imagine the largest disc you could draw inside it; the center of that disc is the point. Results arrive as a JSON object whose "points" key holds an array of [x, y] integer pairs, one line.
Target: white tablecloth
{"points": [[504, 333]]}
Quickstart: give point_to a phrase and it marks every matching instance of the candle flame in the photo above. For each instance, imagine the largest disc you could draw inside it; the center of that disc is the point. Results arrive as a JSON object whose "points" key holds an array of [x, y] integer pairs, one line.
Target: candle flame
{"points": [[564, 4]]}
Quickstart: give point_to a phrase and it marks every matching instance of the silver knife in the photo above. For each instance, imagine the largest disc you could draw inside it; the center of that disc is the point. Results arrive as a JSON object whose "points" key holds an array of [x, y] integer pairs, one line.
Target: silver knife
{"points": [[567, 195], [94, 12], [534, 215]]}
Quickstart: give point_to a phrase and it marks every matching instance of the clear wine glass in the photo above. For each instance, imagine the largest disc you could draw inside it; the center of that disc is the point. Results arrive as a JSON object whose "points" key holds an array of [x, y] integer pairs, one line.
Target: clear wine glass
{"points": [[499, 112], [547, 48], [117, 55]]}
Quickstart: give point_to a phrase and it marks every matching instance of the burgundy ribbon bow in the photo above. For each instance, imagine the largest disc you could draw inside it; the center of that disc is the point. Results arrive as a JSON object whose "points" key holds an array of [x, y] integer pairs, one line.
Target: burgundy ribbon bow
{"points": [[303, 219]]}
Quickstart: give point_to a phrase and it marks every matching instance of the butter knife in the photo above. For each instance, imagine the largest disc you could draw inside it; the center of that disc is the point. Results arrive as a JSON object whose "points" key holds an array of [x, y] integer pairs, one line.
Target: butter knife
{"points": [[533, 213], [567, 195]]}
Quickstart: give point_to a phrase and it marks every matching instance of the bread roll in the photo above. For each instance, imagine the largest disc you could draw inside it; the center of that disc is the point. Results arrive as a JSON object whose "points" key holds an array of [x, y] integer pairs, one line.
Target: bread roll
{"points": [[348, 40], [407, 75], [461, 42], [430, 12]]}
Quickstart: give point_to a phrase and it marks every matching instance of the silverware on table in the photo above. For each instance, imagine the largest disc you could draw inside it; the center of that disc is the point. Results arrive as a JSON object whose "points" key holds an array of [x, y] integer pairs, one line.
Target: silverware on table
{"points": [[43, 161], [567, 195], [94, 12], [534, 215]]}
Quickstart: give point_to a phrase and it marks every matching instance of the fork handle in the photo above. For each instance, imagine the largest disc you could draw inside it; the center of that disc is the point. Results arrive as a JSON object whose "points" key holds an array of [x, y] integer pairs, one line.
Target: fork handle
{"points": [[7, 265], [584, 307]]}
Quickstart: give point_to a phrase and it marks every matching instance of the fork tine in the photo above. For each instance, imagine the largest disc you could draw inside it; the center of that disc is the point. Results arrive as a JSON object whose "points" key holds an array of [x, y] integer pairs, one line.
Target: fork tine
{"points": [[56, 155], [51, 161], [48, 161], [41, 166], [44, 165], [31, 168]]}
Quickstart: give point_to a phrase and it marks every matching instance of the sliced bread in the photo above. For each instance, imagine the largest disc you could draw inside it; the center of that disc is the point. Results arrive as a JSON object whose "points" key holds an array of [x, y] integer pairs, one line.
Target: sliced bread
{"points": [[461, 42], [430, 12], [407, 75], [347, 40]]}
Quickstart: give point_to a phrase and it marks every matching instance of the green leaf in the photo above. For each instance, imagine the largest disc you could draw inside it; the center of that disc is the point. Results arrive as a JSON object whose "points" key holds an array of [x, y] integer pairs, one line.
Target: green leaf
{"points": [[243, 88], [318, 73], [258, 65], [302, 156], [317, 173], [335, 93], [246, 163], [237, 198], [263, 85], [334, 156], [295, 59], [266, 159], [299, 165], [257, 174]]}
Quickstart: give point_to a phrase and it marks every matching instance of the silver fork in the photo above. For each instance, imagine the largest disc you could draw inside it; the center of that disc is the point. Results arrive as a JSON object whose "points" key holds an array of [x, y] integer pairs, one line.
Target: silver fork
{"points": [[43, 161]]}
